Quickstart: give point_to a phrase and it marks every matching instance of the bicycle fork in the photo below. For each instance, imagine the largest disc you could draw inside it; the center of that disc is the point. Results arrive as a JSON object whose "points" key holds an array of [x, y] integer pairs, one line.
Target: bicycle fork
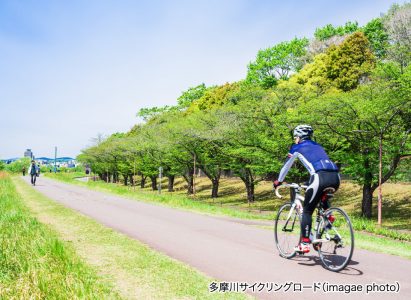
{"points": [[295, 206]]}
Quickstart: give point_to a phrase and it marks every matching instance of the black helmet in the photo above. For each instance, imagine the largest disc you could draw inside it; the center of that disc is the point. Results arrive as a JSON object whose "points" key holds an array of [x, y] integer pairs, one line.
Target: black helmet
{"points": [[304, 132]]}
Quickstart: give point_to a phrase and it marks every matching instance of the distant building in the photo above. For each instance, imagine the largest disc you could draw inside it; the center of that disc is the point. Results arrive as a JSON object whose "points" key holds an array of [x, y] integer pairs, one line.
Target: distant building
{"points": [[28, 153], [66, 162]]}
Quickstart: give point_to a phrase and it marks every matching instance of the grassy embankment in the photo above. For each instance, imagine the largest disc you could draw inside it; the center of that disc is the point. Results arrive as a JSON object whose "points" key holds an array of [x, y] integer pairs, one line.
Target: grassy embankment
{"points": [[393, 237], [35, 263], [136, 270]]}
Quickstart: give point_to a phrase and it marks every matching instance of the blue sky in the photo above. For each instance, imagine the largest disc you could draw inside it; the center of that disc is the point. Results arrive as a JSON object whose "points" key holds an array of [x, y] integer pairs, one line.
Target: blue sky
{"points": [[70, 70]]}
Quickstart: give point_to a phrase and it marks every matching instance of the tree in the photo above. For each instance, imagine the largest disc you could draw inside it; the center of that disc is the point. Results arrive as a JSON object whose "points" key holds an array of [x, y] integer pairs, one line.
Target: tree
{"points": [[276, 62], [17, 166], [216, 96], [191, 95], [251, 131], [329, 30], [152, 112], [348, 63], [377, 36], [398, 25], [2, 165], [360, 119]]}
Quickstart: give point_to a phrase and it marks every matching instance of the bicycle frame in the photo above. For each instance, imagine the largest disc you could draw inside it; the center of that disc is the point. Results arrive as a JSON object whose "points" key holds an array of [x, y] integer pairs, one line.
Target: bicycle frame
{"points": [[296, 202], [328, 236]]}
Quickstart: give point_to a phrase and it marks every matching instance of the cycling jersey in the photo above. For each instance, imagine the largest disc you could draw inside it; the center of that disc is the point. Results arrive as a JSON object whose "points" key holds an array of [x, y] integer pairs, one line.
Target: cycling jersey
{"points": [[311, 155]]}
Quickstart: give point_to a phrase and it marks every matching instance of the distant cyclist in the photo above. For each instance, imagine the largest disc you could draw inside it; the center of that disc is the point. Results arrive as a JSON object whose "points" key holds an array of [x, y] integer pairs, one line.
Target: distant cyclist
{"points": [[33, 171], [324, 174]]}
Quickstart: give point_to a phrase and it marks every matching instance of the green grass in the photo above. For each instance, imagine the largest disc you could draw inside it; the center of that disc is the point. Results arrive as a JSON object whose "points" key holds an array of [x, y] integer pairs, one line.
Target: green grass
{"points": [[362, 224], [35, 263], [138, 271], [382, 245], [169, 199], [368, 234]]}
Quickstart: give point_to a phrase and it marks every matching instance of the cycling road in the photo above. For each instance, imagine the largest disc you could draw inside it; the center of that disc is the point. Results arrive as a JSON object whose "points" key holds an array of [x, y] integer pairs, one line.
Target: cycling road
{"points": [[232, 250]]}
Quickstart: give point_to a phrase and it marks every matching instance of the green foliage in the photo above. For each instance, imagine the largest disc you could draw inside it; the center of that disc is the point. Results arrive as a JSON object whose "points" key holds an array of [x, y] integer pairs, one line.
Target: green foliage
{"points": [[216, 96], [151, 112], [277, 62], [2, 165], [191, 95], [358, 120], [17, 166], [340, 67], [329, 30], [313, 78], [377, 36], [349, 62]]}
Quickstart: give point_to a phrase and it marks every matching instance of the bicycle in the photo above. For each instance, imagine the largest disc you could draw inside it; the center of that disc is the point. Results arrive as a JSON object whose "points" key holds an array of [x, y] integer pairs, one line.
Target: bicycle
{"points": [[333, 236]]}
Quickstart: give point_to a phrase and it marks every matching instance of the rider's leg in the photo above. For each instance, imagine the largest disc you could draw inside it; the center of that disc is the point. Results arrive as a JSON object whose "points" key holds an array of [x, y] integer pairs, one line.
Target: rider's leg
{"points": [[318, 182], [310, 202], [312, 196], [328, 180]]}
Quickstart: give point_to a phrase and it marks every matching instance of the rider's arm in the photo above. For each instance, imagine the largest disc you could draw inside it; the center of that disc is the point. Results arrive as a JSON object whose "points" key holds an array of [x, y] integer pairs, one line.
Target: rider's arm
{"points": [[288, 163]]}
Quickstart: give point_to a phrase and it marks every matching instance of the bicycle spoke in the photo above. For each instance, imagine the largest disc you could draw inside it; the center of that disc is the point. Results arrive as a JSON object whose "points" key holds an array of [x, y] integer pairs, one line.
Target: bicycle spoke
{"points": [[336, 251], [287, 230]]}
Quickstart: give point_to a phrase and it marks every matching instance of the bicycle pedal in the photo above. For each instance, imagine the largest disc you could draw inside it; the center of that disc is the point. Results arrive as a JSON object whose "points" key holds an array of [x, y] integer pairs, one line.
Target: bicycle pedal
{"points": [[317, 246]]}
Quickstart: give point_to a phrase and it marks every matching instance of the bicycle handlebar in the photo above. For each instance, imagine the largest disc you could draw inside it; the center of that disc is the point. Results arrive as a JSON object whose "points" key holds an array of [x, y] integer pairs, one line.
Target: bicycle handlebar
{"points": [[289, 185]]}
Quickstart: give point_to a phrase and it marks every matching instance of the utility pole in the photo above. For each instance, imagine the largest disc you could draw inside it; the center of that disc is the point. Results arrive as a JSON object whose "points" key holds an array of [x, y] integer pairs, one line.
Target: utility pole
{"points": [[134, 178], [194, 176], [160, 170], [379, 184], [55, 159]]}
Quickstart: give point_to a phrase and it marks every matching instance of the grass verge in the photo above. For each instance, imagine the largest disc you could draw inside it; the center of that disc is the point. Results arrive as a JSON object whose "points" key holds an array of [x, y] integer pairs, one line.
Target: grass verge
{"points": [[368, 236], [169, 199], [35, 263], [138, 271]]}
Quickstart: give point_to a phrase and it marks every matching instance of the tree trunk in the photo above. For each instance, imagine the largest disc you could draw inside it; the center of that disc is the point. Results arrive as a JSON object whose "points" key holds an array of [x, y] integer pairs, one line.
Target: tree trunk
{"points": [[215, 180], [143, 181], [190, 184], [171, 183], [214, 190], [248, 180], [366, 207], [189, 177], [131, 179], [125, 179], [367, 191], [154, 183], [250, 191]]}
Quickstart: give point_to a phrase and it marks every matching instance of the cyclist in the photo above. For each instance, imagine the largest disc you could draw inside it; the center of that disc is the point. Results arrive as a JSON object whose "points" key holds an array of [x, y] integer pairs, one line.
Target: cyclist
{"points": [[324, 174]]}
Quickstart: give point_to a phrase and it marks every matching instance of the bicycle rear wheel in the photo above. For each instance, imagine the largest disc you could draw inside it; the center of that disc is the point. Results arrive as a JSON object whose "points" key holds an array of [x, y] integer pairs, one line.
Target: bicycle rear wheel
{"points": [[287, 230], [337, 240]]}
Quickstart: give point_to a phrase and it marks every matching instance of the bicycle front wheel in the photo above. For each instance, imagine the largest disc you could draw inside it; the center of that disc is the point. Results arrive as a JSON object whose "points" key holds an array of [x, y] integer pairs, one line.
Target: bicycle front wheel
{"points": [[337, 239], [287, 230]]}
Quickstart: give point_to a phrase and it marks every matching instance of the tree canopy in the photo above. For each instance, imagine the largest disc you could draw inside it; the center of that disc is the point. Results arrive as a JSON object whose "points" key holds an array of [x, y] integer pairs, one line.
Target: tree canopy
{"points": [[351, 83]]}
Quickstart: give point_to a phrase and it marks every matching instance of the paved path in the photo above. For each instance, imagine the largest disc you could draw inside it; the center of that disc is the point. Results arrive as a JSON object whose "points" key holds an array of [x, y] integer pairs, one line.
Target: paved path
{"points": [[228, 249]]}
